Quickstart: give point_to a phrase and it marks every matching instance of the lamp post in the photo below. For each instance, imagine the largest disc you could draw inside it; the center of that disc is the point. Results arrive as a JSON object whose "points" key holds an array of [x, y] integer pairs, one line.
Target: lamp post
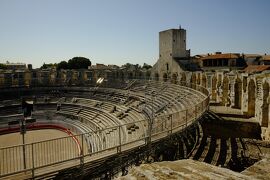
{"points": [[23, 131], [27, 108]]}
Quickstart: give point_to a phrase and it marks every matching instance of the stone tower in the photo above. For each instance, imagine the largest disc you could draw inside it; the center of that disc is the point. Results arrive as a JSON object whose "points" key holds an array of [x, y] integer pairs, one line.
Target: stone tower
{"points": [[173, 55], [172, 43]]}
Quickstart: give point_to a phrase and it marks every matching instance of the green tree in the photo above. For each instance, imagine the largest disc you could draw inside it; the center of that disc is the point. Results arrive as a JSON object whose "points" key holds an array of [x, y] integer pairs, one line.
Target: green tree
{"points": [[62, 65], [46, 66], [79, 63], [146, 66], [3, 66]]}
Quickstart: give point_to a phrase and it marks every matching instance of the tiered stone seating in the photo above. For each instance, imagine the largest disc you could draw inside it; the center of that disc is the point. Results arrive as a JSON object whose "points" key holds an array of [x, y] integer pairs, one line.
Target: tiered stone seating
{"points": [[101, 113]]}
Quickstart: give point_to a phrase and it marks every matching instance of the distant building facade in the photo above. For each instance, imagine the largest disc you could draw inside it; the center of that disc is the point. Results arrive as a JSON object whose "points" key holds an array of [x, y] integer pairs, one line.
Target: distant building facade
{"points": [[15, 66]]}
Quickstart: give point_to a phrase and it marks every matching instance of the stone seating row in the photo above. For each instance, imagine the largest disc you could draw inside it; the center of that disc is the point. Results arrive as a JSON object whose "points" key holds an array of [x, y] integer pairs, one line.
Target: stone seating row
{"points": [[88, 117], [218, 151], [129, 127], [129, 114]]}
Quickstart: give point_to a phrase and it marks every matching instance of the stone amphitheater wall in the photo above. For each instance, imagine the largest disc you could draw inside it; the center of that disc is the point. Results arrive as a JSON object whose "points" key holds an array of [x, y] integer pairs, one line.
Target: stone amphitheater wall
{"points": [[246, 93]]}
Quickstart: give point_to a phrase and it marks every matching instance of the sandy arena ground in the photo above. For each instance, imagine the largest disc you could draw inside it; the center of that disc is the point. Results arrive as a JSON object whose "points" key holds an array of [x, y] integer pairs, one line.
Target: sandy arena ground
{"points": [[51, 151], [30, 136]]}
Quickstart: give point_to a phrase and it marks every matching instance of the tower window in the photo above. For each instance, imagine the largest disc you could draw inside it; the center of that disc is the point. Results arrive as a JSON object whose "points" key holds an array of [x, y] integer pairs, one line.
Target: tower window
{"points": [[167, 65]]}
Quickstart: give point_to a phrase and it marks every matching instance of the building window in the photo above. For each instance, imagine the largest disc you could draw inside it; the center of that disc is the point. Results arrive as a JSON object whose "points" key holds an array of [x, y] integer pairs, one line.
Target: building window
{"points": [[225, 62], [204, 63], [167, 66]]}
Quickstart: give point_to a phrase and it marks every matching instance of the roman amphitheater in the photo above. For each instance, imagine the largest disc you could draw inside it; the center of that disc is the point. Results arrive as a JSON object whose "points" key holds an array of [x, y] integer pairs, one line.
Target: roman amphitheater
{"points": [[102, 123]]}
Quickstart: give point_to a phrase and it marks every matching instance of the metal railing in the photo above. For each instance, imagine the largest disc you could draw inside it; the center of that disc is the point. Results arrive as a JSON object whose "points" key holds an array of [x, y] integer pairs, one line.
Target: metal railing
{"points": [[78, 149]]}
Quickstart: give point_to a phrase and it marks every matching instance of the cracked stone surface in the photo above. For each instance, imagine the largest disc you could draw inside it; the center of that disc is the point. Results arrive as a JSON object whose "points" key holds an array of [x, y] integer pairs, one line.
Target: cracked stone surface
{"points": [[190, 169]]}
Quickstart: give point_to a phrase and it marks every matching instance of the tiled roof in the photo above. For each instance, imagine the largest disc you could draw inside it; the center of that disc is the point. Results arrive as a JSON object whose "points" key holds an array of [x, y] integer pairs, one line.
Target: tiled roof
{"points": [[266, 58], [252, 55], [256, 68], [222, 56]]}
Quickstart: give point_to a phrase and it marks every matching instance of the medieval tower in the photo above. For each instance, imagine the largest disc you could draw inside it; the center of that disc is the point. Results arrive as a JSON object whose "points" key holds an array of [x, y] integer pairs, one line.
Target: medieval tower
{"points": [[172, 51]]}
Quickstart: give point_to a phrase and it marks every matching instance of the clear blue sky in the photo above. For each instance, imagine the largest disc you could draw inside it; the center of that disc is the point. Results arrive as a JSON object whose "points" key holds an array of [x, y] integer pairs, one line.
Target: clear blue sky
{"points": [[121, 31]]}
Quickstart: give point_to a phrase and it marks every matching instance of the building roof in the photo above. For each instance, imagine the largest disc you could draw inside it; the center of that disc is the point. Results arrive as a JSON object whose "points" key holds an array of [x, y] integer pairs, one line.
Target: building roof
{"points": [[222, 56], [198, 56], [173, 29], [251, 55], [256, 68], [266, 58]]}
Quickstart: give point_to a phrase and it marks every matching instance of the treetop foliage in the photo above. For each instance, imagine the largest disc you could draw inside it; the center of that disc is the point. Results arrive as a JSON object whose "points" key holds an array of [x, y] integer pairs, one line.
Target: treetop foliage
{"points": [[3, 66], [74, 63], [136, 66]]}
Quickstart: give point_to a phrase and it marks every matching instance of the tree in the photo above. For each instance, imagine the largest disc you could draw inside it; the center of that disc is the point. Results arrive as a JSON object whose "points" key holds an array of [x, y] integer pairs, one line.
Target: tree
{"points": [[62, 65], [3, 66], [79, 63], [127, 65], [46, 66], [146, 66]]}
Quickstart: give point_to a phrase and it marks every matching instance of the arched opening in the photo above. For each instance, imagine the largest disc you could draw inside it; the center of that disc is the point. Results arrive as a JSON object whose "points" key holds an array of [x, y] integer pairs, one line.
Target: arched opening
{"points": [[122, 76], [193, 80], [251, 98], [148, 74], [204, 80], [238, 93], [156, 76], [130, 75], [165, 77], [265, 106], [174, 78], [225, 92], [219, 81], [139, 76], [199, 79], [183, 78], [214, 88]]}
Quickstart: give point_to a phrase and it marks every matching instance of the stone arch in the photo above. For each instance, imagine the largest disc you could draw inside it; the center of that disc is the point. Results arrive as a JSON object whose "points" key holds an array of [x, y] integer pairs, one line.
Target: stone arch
{"points": [[238, 93], [174, 78], [122, 75], [219, 83], [225, 91], [183, 77], [148, 75], [204, 80], [130, 75], [265, 106], [193, 80], [139, 75], [199, 79], [214, 88], [165, 77], [156, 76], [251, 98]]}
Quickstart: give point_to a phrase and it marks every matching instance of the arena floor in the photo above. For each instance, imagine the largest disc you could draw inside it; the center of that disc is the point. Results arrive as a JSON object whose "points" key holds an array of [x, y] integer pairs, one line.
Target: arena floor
{"points": [[13, 139], [50, 151]]}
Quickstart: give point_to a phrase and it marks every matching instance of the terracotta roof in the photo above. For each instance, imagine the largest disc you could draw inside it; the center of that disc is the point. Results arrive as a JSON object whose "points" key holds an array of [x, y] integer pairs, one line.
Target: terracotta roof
{"points": [[252, 55], [256, 68], [266, 58], [222, 56]]}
